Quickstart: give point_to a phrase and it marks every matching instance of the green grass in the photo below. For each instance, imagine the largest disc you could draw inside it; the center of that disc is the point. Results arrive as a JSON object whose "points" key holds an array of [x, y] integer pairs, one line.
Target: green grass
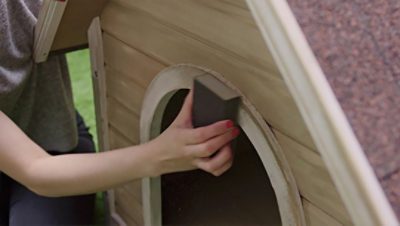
{"points": [[79, 68]]}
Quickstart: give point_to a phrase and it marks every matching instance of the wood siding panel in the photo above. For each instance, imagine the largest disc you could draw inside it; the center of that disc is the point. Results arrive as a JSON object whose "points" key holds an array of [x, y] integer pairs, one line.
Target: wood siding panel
{"points": [[237, 33], [313, 178], [129, 205], [316, 217], [170, 46], [72, 31], [129, 61], [123, 119], [125, 90], [118, 140], [129, 196], [127, 218]]}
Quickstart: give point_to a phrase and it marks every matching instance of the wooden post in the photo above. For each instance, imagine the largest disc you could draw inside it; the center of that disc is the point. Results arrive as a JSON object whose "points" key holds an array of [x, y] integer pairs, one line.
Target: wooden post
{"points": [[99, 86], [100, 99], [49, 19]]}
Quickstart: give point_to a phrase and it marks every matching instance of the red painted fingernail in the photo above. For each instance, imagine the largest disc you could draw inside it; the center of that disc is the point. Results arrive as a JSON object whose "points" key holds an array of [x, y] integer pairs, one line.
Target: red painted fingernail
{"points": [[235, 132], [229, 124]]}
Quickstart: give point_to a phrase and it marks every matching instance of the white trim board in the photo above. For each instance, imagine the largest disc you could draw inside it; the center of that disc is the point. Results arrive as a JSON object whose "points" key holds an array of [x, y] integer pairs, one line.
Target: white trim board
{"points": [[329, 128], [49, 19]]}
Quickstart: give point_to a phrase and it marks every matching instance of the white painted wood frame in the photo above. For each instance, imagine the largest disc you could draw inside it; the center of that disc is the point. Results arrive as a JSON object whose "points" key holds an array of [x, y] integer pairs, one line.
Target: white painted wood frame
{"points": [[327, 123], [157, 97]]}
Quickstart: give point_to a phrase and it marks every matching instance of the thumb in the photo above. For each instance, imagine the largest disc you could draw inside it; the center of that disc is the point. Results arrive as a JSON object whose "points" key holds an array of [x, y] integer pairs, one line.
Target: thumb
{"points": [[184, 118]]}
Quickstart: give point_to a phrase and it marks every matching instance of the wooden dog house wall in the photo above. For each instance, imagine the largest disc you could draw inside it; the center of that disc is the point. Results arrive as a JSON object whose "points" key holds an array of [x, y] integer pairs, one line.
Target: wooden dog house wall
{"points": [[138, 39]]}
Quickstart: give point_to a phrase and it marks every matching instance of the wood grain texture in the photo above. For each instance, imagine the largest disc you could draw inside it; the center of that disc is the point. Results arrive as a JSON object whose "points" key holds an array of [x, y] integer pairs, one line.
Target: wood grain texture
{"points": [[98, 80], [126, 91], [130, 62], [120, 117], [129, 204], [169, 45], [48, 21], [237, 33], [118, 140], [72, 30], [316, 217], [128, 199], [125, 217], [313, 179]]}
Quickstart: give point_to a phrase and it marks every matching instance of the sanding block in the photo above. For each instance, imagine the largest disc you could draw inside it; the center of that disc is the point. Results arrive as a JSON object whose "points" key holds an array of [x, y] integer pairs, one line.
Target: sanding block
{"points": [[213, 101]]}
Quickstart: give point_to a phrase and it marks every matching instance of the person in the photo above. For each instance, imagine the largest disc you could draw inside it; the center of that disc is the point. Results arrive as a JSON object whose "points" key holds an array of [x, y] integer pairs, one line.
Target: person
{"points": [[48, 172]]}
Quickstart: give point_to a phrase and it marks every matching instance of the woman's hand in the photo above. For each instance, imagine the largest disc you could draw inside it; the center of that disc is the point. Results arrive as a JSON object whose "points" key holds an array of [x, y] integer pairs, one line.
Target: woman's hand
{"points": [[179, 148], [182, 147]]}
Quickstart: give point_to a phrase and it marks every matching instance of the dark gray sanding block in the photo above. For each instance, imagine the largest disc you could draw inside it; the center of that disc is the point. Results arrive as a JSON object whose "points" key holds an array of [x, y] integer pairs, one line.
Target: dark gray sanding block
{"points": [[213, 101]]}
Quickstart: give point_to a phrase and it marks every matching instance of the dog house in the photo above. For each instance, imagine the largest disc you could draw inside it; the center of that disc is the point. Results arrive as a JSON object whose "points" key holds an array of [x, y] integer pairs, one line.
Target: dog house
{"points": [[319, 94]]}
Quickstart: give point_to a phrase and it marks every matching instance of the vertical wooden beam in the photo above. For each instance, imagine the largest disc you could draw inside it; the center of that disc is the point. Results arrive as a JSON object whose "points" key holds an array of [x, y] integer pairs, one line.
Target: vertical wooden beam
{"points": [[99, 85], [100, 99], [49, 19]]}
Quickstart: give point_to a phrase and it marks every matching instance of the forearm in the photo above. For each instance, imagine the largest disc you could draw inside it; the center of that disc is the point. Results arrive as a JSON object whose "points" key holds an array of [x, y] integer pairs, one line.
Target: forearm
{"points": [[26, 162], [179, 148], [85, 173]]}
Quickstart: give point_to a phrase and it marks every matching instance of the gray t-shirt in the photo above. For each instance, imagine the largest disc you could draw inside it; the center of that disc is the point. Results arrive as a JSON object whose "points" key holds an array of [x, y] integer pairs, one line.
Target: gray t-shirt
{"points": [[37, 97]]}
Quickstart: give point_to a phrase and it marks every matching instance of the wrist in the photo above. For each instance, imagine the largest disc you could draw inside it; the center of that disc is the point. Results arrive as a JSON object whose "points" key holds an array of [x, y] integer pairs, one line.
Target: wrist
{"points": [[152, 159]]}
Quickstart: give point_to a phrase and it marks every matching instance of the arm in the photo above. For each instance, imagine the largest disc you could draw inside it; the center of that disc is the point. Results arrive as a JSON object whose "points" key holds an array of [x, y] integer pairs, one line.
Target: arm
{"points": [[179, 148]]}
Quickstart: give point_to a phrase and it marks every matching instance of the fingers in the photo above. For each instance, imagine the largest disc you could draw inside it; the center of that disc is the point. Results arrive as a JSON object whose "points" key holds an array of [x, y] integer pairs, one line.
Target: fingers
{"points": [[184, 118], [223, 168], [219, 163], [209, 147], [202, 134]]}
